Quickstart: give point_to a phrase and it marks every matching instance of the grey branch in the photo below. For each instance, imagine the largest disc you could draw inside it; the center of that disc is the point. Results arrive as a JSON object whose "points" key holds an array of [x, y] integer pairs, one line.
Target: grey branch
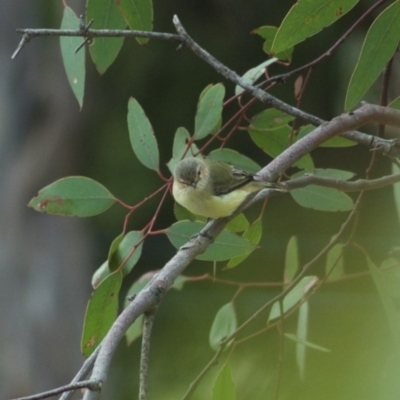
{"points": [[91, 384], [144, 356], [379, 144], [344, 186], [29, 34]]}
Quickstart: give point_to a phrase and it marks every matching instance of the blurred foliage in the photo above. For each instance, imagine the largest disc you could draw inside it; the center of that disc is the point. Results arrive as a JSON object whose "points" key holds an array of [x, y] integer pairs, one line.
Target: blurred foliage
{"points": [[346, 316]]}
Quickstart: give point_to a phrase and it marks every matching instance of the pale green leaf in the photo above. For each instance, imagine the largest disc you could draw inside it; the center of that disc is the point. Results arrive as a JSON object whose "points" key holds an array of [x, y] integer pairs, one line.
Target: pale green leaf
{"points": [[105, 15], [253, 74], [291, 259], [253, 234], [306, 18], [138, 14], [268, 33], [224, 247], [293, 297], [75, 196], [101, 312], [74, 62], [334, 259], [224, 388], [209, 110], [143, 141], [389, 305], [379, 46], [224, 324], [306, 343]]}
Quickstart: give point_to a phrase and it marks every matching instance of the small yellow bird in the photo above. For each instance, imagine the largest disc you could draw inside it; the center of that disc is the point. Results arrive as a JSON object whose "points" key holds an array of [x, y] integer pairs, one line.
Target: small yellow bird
{"points": [[214, 189]]}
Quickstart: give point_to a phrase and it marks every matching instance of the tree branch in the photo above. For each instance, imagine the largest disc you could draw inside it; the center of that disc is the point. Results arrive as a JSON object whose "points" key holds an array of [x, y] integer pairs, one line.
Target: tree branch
{"points": [[343, 123], [144, 356], [91, 384]]}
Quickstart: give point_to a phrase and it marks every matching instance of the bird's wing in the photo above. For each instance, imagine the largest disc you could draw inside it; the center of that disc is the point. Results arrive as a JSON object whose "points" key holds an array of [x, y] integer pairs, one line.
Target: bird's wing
{"points": [[227, 178]]}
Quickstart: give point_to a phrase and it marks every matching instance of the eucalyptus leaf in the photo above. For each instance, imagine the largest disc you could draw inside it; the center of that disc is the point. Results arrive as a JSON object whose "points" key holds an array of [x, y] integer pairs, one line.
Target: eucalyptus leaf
{"points": [[224, 247], [224, 324], [104, 14], [379, 46], [75, 196], [101, 313], [74, 62], [307, 18], [141, 134]]}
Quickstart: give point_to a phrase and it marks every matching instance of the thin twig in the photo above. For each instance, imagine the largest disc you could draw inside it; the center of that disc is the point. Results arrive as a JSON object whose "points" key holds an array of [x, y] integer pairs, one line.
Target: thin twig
{"points": [[345, 186], [83, 372], [144, 356], [29, 34], [90, 384]]}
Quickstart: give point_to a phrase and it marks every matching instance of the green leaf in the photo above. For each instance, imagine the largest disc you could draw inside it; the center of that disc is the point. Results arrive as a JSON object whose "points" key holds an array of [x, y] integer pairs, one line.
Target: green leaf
{"points": [[336, 141], [395, 103], [224, 247], [100, 274], [291, 259], [105, 15], [388, 302], [334, 259], [101, 313], [379, 46], [236, 159], [183, 213], [224, 388], [138, 14], [224, 325], [74, 63], [237, 224], [128, 251], [274, 141], [293, 297], [253, 234], [143, 141], [396, 190], [306, 18], [114, 246], [268, 33], [270, 118], [75, 196], [253, 74], [306, 343], [179, 146], [302, 328], [324, 198], [209, 110], [390, 268]]}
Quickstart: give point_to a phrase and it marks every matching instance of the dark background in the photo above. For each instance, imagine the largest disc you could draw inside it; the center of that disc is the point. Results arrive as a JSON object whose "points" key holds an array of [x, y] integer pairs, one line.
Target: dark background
{"points": [[47, 261]]}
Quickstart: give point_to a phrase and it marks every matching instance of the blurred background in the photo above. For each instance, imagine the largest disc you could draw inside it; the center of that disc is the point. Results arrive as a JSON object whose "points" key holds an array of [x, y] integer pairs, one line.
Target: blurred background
{"points": [[46, 262]]}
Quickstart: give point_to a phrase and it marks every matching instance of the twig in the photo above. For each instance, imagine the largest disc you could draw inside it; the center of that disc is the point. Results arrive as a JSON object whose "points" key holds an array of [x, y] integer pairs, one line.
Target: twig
{"points": [[29, 34], [91, 384], [144, 356], [345, 186], [83, 372], [343, 123]]}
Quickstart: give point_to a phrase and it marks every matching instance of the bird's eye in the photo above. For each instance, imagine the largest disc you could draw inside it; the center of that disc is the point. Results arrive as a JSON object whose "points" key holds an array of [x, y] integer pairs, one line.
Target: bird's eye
{"points": [[198, 173]]}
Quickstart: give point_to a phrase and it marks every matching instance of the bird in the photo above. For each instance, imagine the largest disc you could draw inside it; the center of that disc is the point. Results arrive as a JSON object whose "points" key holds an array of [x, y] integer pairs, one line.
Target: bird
{"points": [[214, 189]]}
